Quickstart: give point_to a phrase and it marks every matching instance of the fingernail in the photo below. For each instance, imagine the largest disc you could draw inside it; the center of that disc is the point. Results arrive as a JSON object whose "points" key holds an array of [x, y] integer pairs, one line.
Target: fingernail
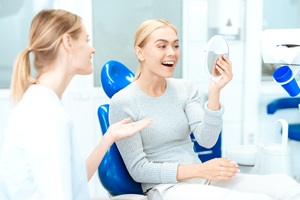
{"points": [[234, 162]]}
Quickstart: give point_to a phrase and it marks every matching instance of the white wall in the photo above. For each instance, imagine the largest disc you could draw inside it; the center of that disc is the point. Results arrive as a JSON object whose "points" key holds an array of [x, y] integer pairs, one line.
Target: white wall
{"points": [[240, 96], [82, 99]]}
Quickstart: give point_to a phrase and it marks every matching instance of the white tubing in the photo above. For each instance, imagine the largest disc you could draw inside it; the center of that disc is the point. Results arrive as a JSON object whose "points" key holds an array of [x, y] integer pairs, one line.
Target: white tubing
{"points": [[285, 127]]}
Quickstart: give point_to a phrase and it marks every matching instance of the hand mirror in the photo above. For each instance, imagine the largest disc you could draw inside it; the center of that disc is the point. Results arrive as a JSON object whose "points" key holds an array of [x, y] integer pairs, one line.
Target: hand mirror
{"points": [[216, 46]]}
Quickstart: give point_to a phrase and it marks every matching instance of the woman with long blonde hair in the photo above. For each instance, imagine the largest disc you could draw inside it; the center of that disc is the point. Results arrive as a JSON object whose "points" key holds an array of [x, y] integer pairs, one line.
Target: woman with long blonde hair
{"points": [[40, 157]]}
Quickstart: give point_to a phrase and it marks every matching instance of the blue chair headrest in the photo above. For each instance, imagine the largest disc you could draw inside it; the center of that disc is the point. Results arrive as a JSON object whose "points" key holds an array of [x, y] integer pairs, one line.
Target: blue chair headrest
{"points": [[114, 77]]}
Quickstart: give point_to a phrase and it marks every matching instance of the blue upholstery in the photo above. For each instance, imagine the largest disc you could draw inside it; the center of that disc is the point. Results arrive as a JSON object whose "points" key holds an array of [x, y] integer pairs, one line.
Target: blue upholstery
{"points": [[286, 103], [206, 154], [114, 77], [112, 170]]}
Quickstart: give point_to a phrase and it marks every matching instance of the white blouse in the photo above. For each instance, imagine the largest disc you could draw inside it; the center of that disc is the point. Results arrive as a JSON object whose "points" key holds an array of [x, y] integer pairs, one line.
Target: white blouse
{"points": [[40, 157]]}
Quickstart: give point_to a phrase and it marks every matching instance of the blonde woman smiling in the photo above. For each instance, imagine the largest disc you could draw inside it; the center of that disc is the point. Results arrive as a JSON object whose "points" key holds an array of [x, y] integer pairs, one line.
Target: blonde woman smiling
{"points": [[161, 156]]}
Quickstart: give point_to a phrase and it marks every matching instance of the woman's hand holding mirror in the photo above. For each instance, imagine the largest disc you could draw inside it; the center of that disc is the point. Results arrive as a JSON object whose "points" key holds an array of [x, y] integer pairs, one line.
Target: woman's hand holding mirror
{"points": [[216, 47]]}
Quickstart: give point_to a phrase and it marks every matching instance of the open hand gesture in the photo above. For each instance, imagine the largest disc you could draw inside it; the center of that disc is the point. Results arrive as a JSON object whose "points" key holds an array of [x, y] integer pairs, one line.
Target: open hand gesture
{"points": [[126, 128]]}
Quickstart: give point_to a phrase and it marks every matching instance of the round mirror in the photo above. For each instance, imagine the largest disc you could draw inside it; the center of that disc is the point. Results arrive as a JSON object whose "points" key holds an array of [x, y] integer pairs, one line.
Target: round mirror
{"points": [[216, 46]]}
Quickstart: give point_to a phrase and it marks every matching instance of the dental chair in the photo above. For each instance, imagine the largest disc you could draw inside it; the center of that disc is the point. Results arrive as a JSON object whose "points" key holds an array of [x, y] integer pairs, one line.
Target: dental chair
{"points": [[112, 170]]}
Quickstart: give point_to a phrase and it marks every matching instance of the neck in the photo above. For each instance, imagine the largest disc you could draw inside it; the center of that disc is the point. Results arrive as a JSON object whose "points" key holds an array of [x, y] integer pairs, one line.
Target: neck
{"points": [[55, 80], [154, 88]]}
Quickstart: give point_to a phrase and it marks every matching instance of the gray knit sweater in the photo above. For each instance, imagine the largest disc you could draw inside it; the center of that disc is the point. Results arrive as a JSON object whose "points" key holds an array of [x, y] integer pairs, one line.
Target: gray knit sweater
{"points": [[153, 155]]}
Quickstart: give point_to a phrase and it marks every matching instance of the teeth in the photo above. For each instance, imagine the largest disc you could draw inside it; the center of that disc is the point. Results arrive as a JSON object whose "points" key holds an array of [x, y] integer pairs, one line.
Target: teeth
{"points": [[168, 63]]}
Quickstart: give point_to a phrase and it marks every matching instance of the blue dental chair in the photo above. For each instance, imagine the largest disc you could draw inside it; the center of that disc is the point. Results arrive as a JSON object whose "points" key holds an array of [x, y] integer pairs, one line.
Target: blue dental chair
{"points": [[112, 170]]}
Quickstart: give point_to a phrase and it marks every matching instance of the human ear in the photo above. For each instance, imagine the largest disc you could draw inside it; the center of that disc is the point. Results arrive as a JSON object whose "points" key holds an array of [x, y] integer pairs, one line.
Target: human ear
{"points": [[139, 53], [67, 41]]}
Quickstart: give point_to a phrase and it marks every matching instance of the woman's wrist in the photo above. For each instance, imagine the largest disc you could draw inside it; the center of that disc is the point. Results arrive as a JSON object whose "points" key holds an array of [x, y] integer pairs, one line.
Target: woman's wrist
{"points": [[213, 103], [213, 99], [107, 138], [188, 171]]}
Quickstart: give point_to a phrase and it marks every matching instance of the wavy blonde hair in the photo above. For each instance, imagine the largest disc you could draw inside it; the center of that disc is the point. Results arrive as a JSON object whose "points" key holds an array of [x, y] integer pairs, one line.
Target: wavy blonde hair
{"points": [[46, 31], [144, 31]]}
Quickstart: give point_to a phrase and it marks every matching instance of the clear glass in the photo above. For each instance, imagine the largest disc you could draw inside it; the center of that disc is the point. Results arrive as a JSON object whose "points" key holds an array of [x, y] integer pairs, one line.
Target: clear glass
{"points": [[114, 26]]}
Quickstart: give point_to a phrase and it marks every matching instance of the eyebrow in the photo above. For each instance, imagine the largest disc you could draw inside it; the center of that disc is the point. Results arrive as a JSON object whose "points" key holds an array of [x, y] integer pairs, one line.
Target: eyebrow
{"points": [[163, 40]]}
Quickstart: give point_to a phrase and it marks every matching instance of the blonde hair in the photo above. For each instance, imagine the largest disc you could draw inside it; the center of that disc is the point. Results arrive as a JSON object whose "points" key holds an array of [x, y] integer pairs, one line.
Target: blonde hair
{"points": [[46, 31], [143, 32]]}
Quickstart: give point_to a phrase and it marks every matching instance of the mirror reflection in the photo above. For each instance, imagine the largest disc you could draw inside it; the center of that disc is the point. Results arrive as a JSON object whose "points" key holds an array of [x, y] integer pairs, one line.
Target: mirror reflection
{"points": [[216, 47]]}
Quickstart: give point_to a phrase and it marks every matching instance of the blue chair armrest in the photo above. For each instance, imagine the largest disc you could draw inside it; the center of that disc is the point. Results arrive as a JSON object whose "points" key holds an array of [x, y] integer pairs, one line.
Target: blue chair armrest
{"points": [[206, 154]]}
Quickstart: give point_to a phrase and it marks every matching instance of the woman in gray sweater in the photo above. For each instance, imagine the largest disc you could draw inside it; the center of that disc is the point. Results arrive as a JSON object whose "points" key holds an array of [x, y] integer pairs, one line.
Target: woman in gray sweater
{"points": [[161, 156]]}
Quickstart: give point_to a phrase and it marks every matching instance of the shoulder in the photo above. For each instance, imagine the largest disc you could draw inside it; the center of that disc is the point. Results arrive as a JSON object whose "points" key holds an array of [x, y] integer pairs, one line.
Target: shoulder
{"points": [[41, 103], [39, 95], [124, 95], [125, 100], [124, 104], [39, 113]]}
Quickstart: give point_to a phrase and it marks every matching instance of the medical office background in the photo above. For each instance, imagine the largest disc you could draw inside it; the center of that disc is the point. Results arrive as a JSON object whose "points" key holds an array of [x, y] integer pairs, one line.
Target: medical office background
{"points": [[112, 24]]}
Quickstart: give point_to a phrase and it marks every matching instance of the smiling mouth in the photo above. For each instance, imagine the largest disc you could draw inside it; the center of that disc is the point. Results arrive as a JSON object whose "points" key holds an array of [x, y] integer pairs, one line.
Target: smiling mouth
{"points": [[168, 64]]}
